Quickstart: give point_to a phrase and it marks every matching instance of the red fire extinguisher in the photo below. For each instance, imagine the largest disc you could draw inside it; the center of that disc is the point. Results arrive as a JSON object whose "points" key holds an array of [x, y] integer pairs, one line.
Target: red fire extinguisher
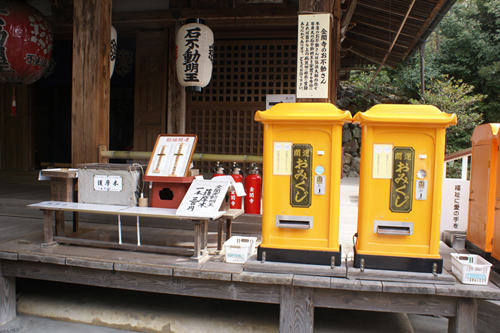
{"points": [[253, 186], [218, 169], [235, 201]]}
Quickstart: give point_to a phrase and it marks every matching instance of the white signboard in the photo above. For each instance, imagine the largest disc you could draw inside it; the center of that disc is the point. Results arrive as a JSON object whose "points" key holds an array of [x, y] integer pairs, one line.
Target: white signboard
{"points": [[203, 198], [171, 156], [108, 183], [313, 56], [272, 100], [455, 204]]}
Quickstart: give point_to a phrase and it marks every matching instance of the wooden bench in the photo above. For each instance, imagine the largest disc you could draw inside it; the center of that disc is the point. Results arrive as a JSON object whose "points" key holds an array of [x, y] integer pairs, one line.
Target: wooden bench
{"points": [[199, 252]]}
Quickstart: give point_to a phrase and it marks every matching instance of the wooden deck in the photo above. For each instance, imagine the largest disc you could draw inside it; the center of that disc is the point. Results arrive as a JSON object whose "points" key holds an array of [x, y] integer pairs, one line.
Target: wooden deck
{"points": [[297, 288]]}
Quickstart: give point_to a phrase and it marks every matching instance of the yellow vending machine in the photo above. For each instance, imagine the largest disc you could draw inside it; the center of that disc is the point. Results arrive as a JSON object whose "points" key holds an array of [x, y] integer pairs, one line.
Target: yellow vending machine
{"points": [[483, 183], [302, 168], [401, 176]]}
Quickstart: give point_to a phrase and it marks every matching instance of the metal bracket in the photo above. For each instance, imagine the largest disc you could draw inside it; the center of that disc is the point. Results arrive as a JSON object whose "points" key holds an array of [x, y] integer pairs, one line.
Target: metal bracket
{"points": [[362, 265], [332, 264], [263, 260], [434, 269]]}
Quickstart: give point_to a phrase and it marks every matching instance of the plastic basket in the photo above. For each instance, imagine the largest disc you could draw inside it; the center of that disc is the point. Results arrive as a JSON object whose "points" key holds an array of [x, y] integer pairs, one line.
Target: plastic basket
{"points": [[470, 268], [238, 249]]}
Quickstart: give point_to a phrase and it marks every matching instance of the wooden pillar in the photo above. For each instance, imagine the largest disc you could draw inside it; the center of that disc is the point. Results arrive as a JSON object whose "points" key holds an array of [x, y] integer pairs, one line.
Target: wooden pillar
{"points": [[327, 6], [335, 52], [296, 309], [176, 108], [91, 74], [466, 318], [7, 298]]}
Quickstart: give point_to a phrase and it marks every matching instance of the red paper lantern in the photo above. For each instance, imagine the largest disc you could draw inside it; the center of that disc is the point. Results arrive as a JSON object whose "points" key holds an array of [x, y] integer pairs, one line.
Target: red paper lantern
{"points": [[25, 43]]}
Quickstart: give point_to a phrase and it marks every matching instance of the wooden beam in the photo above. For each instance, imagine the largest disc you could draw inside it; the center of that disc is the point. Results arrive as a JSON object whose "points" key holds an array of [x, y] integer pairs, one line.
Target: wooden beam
{"points": [[269, 14], [392, 45], [91, 74], [346, 19]]}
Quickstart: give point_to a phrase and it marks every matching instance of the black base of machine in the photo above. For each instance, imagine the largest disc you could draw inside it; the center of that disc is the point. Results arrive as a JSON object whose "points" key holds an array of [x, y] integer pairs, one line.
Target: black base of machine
{"points": [[299, 256], [474, 249], [407, 264]]}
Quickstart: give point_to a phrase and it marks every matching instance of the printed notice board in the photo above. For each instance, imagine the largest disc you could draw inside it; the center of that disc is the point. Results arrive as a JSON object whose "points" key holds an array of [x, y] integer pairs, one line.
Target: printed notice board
{"points": [[313, 55], [203, 198]]}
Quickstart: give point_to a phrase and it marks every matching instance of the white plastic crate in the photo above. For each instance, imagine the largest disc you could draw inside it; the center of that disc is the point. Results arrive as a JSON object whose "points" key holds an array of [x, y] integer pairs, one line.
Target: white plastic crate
{"points": [[470, 268], [238, 249]]}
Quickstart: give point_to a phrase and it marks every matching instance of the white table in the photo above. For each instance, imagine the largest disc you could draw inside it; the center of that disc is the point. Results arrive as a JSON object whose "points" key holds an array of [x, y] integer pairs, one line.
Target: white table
{"points": [[200, 225]]}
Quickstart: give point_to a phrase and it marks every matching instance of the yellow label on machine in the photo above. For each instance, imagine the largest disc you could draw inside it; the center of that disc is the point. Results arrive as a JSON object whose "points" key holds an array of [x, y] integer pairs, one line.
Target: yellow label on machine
{"points": [[300, 180], [402, 180]]}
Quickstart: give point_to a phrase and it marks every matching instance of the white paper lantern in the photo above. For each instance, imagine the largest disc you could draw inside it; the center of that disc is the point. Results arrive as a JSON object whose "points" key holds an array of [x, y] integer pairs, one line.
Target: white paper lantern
{"points": [[114, 48], [194, 54]]}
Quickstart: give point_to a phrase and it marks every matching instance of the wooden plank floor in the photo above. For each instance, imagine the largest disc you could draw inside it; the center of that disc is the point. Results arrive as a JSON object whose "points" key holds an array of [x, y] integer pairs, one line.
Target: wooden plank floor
{"points": [[21, 253]]}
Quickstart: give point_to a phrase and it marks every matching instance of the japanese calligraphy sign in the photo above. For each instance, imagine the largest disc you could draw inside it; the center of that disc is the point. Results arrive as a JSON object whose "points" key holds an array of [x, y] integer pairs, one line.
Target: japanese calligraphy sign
{"points": [[108, 183], [313, 56], [455, 204], [402, 180], [300, 180], [203, 198]]}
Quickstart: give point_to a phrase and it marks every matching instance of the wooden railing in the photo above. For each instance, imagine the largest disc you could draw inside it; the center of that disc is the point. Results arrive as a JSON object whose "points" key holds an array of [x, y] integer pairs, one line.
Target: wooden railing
{"points": [[145, 155]]}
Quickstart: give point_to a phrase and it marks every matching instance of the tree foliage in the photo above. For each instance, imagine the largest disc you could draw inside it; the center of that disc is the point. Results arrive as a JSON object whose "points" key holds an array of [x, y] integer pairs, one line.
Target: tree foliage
{"points": [[454, 96], [469, 50]]}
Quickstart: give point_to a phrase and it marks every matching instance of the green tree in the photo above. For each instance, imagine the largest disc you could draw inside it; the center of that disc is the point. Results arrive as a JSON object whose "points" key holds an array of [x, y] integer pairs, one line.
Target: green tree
{"points": [[469, 49], [455, 96]]}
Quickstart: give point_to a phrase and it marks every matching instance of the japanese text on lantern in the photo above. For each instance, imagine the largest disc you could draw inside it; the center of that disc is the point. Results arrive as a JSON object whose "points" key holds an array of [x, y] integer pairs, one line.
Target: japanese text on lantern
{"points": [[402, 180], [192, 55], [300, 180], [313, 56]]}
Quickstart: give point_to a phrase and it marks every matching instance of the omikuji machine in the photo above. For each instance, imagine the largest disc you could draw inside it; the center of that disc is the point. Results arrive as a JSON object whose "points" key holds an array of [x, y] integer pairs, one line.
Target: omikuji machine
{"points": [[483, 182], [400, 186], [302, 168]]}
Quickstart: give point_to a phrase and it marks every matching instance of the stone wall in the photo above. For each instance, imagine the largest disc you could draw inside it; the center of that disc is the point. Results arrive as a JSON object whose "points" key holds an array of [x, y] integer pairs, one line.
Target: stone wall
{"points": [[351, 142], [354, 102]]}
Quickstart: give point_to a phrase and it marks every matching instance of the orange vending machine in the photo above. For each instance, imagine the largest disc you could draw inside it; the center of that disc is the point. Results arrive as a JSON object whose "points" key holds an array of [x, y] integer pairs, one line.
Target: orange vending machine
{"points": [[483, 184], [495, 240], [302, 168], [401, 176]]}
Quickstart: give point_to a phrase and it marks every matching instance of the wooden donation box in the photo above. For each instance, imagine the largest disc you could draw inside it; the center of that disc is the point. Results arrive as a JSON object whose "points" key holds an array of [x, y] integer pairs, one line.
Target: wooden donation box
{"points": [[167, 169], [301, 188], [400, 186], [483, 184]]}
